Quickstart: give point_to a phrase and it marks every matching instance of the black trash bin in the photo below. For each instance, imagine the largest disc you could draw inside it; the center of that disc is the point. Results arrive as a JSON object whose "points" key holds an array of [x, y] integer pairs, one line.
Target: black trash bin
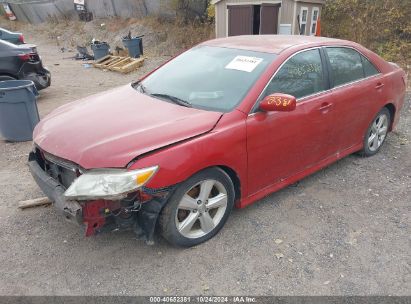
{"points": [[18, 109], [134, 46], [100, 50]]}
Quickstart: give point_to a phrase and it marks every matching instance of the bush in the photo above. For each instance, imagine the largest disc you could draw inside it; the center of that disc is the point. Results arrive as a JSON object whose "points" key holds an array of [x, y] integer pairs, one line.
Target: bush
{"points": [[383, 26]]}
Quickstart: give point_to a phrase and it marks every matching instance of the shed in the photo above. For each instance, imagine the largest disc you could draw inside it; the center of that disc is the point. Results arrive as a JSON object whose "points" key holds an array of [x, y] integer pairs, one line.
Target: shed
{"points": [[255, 17]]}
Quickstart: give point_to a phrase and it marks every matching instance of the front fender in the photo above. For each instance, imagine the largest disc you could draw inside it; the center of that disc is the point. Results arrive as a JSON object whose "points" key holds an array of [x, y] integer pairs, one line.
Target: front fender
{"points": [[225, 145]]}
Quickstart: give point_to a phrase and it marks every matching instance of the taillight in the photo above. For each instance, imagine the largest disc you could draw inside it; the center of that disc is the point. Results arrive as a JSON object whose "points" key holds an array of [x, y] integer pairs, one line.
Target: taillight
{"points": [[24, 57], [21, 38], [27, 57]]}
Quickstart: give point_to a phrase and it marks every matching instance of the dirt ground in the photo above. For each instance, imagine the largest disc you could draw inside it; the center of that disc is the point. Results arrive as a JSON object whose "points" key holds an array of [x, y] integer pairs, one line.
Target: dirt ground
{"points": [[342, 231]]}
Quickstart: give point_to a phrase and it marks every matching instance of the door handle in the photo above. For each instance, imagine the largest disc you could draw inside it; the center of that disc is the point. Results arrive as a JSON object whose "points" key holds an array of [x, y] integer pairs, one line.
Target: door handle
{"points": [[325, 106], [379, 85]]}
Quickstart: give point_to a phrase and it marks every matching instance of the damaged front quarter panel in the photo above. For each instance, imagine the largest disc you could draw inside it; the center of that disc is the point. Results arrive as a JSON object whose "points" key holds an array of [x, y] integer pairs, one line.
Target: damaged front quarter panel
{"points": [[148, 216], [136, 211]]}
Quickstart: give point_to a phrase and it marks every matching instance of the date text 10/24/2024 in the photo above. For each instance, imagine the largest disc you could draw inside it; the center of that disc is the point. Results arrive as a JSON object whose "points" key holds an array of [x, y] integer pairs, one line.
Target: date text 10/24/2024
{"points": [[202, 299]]}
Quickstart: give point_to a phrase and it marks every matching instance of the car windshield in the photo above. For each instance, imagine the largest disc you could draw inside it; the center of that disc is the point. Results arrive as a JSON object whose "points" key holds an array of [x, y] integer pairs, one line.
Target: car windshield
{"points": [[210, 78]]}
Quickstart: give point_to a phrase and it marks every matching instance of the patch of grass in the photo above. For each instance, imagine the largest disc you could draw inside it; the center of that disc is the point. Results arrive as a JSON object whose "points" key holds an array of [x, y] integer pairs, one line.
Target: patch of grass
{"points": [[177, 35], [383, 26]]}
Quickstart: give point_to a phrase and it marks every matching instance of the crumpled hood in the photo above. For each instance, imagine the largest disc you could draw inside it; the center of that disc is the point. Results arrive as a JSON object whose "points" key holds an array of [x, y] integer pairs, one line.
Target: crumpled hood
{"points": [[109, 129]]}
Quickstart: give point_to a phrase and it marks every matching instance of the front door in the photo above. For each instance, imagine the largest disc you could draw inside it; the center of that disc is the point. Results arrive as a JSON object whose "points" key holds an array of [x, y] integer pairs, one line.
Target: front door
{"points": [[281, 144]]}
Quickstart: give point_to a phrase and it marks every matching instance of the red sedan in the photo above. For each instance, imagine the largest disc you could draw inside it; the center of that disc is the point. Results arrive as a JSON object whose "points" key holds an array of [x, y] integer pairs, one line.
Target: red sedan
{"points": [[221, 125]]}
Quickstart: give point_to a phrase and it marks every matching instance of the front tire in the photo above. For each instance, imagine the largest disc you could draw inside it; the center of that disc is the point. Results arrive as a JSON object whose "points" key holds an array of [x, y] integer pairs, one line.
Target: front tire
{"points": [[376, 133], [198, 208]]}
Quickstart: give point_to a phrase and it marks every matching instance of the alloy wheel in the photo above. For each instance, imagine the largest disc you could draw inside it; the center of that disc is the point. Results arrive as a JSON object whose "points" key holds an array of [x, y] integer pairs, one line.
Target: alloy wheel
{"points": [[201, 209], [378, 132]]}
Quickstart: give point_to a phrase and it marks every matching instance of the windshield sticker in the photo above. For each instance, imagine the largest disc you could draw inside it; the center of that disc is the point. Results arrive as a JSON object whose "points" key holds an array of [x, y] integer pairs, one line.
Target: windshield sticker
{"points": [[244, 63]]}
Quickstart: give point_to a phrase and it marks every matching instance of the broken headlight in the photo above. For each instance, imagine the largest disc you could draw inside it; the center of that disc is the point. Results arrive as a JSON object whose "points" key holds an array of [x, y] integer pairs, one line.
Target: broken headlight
{"points": [[108, 184]]}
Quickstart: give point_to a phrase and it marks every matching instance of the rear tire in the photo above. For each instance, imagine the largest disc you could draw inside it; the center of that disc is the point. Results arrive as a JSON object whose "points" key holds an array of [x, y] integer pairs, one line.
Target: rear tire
{"points": [[376, 133], [198, 208]]}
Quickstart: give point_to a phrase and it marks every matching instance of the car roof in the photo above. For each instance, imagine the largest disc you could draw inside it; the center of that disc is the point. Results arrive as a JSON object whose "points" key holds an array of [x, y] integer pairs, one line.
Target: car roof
{"points": [[273, 43]]}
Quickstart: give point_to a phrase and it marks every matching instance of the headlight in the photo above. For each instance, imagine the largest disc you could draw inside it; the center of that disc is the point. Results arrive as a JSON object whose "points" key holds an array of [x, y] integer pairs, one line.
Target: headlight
{"points": [[107, 184]]}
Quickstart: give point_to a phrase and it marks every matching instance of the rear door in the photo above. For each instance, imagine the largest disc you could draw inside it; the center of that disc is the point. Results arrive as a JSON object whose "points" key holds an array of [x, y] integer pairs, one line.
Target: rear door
{"points": [[281, 144], [240, 20], [358, 92]]}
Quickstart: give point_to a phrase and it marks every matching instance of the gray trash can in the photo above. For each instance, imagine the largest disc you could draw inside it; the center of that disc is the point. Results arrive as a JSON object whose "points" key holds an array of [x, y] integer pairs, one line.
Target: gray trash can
{"points": [[100, 50], [134, 46], [18, 109]]}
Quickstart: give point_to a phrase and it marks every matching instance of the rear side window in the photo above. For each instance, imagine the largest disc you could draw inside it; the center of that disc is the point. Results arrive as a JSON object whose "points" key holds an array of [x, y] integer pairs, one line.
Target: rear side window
{"points": [[300, 76], [369, 68], [346, 65]]}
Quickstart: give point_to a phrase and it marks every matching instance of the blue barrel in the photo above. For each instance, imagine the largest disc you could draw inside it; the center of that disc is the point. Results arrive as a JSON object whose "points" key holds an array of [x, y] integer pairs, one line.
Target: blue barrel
{"points": [[134, 46], [100, 50], [18, 109]]}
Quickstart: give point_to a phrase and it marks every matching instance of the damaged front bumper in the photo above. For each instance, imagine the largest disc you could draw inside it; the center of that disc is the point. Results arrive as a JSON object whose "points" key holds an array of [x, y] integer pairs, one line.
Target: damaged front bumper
{"points": [[138, 213], [55, 192]]}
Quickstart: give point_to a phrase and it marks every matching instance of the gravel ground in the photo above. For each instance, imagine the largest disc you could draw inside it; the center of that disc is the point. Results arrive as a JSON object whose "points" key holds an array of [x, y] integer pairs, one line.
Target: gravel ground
{"points": [[342, 231]]}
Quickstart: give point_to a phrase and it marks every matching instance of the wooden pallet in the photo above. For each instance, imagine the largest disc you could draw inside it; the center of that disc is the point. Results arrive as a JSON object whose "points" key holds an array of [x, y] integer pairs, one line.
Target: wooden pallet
{"points": [[119, 64]]}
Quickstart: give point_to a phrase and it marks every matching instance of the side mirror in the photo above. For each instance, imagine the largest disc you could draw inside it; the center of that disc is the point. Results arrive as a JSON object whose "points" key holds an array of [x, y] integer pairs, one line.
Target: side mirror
{"points": [[278, 102]]}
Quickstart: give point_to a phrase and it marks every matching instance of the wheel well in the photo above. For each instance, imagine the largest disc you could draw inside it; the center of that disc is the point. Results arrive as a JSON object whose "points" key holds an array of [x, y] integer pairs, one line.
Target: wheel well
{"points": [[391, 108], [234, 178]]}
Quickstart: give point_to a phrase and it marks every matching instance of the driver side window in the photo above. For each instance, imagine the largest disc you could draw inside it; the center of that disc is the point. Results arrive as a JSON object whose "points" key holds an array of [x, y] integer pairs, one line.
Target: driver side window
{"points": [[300, 76]]}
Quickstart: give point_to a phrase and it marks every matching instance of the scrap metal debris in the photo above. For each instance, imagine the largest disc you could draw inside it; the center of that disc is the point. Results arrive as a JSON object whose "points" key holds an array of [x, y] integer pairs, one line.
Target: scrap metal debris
{"points": [[119, 51], [83, 54]]}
